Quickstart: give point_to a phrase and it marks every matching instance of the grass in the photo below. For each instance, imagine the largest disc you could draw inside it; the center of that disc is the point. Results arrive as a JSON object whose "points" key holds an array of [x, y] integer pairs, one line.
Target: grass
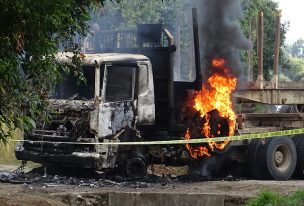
{"points": [[7, 151], [274, 199]]}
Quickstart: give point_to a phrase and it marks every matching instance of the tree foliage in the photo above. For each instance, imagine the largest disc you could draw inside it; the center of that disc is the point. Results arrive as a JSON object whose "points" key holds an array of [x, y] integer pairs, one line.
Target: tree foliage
{"points": [[297, 48], [127, 14], [292, 68], [30, 35], [296, 69]]}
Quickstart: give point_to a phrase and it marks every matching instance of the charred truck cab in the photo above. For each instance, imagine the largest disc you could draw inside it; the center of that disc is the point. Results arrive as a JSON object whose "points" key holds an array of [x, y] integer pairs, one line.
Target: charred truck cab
{"points": [[117, 99], [129, 95]]}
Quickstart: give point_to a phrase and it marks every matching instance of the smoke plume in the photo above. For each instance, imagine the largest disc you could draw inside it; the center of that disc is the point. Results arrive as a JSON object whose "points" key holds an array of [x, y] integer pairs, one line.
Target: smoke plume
{"points": [[221, 35]]}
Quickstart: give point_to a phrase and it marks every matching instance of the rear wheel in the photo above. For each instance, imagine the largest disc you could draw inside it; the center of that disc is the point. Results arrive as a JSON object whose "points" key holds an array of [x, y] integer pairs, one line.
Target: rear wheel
{"points": [[298, 173], [252, 154], [297, 138], [278, 158]]}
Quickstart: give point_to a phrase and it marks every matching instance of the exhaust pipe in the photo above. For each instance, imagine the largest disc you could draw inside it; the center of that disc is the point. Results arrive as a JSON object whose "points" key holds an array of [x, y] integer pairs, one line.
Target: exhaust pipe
{"points": [[199, 77]]}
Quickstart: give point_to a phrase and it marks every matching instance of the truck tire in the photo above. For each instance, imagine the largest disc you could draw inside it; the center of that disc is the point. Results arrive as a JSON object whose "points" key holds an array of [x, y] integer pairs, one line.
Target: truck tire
{"points": [[252, 154], [262, 160], [297, 138], [298, 173], [278, 158], [136, 167]]}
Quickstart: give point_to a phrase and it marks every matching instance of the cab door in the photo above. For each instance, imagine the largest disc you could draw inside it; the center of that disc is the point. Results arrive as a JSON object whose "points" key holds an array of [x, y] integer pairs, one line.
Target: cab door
{"points": [[117, 110]]}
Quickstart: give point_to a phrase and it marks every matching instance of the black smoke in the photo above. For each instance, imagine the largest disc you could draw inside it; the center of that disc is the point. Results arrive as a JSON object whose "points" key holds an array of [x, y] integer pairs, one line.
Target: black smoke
{"points": [[220, 34]]}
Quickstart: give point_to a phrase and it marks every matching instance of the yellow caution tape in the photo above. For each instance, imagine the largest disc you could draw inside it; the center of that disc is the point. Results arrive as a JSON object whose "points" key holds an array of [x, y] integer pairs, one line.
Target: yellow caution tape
{"points": [[191, 141]]}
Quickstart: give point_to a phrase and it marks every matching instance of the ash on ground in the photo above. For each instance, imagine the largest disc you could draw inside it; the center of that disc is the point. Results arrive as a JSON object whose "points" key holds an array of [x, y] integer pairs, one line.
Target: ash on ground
{"points": [[52, 177]]}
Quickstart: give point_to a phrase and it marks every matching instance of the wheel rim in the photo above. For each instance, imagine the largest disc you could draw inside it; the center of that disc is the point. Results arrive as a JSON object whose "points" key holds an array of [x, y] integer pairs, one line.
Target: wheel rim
{"points": [[282, 157]]}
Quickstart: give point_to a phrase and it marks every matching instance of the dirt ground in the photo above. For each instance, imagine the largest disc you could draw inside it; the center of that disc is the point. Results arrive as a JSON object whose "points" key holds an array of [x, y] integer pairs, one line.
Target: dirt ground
{"points": [[56, 194]]}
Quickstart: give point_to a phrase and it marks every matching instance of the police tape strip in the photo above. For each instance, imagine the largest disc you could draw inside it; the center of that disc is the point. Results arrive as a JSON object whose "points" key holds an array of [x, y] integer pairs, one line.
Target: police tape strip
{"points": [[191, 141]]}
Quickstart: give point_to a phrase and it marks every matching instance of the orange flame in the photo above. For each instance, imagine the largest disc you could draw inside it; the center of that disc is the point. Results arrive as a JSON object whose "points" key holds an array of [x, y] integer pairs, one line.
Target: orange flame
{"points": [[196, 152], [218, 62], [214, 95]]}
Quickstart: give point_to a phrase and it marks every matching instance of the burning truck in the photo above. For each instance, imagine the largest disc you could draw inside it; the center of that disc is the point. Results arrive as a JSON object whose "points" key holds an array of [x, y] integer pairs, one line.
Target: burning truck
{"points": [[120, 103], [130, 95]]}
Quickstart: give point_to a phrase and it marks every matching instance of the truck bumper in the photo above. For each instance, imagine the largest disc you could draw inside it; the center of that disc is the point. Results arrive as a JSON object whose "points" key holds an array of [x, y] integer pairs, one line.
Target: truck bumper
{"points": [[84, 160]]}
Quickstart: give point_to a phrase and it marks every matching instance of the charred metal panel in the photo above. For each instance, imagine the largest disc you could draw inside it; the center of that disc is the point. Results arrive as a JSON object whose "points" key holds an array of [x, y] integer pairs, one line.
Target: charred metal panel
{"points": [[160, 59], [146, 105], [107, 155], [279, 120], [115, 116], [76, 105], [94, 120]]}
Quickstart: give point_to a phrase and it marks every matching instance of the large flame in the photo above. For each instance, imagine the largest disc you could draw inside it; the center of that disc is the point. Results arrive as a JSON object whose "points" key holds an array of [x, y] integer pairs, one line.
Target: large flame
{"points": [[215, 95]]}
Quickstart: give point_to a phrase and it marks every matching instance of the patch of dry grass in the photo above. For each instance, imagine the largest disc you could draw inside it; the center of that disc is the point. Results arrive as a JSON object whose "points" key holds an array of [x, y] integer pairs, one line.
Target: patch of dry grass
{"points": [[7, 150]]}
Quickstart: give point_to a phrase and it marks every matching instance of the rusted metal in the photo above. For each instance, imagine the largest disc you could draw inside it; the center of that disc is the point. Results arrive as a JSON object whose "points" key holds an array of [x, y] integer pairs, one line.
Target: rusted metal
{"points": [[286, 116], [250, 55], [253, 130], [270, 96], [277, 51], [169, 37], [260, 78], [269, 122]]}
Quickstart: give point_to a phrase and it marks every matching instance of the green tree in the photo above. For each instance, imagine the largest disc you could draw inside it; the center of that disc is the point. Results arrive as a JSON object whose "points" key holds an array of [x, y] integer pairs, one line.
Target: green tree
{"points": [[292, 68], [30, 35], [296, 70], [297, 48], [127, 14], [270, 9]]}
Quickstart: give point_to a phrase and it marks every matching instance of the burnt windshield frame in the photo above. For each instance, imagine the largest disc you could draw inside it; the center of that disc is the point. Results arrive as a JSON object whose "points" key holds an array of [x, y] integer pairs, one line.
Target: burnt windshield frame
{"points": [[117, 84], [73, 87]]}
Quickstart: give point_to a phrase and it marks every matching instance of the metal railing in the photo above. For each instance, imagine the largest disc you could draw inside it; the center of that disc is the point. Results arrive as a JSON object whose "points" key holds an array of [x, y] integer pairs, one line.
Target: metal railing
{"points": [[113, 39]]}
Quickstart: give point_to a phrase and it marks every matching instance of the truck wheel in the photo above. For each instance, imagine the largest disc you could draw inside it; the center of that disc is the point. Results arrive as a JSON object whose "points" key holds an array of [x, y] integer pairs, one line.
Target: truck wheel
{"points": [[297, 138], [298, 173], [252, 154], [136, 167], [280, 157]]}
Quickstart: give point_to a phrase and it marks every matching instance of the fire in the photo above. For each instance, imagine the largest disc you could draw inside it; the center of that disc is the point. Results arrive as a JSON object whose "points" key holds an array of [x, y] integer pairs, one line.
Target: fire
{"points": [[215, 95], [218, 62]]}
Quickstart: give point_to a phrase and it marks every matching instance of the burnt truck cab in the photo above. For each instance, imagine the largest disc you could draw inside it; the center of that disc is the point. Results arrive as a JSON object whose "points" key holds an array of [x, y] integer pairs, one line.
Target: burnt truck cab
{"points": [[116, 99], [124, 99]]}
